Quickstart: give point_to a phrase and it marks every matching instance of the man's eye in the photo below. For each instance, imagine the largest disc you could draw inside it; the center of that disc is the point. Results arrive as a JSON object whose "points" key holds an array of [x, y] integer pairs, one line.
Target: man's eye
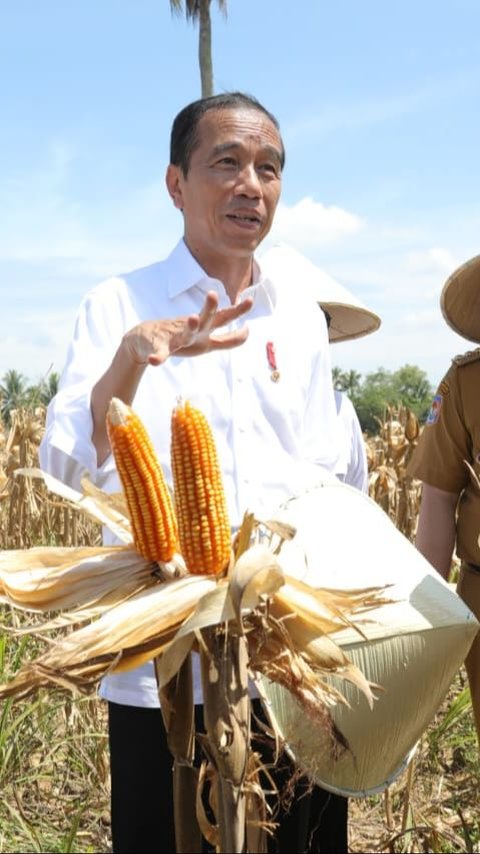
{"points": [[269, 167], [227, 161]]}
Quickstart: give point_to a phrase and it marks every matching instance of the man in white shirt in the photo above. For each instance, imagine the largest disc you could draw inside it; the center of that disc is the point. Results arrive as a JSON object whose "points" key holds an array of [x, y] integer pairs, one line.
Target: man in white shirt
{"points": [[265, 388]]}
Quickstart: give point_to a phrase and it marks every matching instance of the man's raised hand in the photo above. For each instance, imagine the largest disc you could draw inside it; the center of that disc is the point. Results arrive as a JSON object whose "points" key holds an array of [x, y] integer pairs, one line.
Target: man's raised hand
{"points": [[153, 341]]}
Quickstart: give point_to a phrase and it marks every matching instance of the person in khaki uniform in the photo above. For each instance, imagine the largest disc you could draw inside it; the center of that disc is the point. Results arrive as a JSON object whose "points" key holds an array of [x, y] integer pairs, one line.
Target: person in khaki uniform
{"points": [[447, 460]]}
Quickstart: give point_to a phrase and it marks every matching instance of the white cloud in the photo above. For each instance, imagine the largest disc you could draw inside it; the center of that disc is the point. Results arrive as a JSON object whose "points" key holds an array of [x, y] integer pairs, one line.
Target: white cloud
{"points": [[435, 259], [310, 223]]}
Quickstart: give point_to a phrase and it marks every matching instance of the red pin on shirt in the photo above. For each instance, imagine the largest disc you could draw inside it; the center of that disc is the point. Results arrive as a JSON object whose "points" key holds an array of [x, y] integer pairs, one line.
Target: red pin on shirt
{"points": [[272, 362]]}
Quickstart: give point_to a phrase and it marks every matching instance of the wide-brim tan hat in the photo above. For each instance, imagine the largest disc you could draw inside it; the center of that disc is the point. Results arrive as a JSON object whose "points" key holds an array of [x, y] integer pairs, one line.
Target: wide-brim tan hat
{"points": [[460, 300], [349, 318]]}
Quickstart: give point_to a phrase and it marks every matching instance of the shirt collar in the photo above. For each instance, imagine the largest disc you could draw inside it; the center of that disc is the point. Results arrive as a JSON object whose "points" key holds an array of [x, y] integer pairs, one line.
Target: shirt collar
{"points": [[187, 273], [264, 285]]}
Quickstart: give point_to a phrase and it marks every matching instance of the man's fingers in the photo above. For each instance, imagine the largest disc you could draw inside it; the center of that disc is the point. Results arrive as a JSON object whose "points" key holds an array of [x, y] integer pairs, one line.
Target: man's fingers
{"points": [[192, 335], [193, 322], [213, 316], [225, 315], [229, 339], [244, 306], [209, 308], [155, 360]]}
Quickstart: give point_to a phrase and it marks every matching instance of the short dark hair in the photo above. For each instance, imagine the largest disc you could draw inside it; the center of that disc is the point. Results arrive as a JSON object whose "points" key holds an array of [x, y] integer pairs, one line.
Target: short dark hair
{"points": [[184, 135]]}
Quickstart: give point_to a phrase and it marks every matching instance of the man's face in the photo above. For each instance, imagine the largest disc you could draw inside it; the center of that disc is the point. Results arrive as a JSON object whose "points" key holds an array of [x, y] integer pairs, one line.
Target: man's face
{"points": [[231, 191]]}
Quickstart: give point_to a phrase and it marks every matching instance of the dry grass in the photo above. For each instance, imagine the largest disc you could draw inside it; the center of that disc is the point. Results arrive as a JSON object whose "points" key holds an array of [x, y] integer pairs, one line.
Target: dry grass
{"points": [[53, 759], [54, 776], [433, 805]]}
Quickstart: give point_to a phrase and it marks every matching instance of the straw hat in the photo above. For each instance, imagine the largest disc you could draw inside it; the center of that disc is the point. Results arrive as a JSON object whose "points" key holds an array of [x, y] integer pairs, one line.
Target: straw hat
{"points": [[349, 318], [460, 300]]}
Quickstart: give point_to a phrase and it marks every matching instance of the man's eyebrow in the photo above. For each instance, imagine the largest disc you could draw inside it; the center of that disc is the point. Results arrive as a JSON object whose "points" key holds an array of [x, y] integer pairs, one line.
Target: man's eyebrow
{"points": [[224, 147], [273, 152]]}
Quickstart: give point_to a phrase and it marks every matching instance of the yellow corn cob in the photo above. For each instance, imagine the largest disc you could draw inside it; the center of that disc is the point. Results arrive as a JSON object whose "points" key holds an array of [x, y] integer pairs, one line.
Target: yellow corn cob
{"points": [[203, 524], [149, 502]]}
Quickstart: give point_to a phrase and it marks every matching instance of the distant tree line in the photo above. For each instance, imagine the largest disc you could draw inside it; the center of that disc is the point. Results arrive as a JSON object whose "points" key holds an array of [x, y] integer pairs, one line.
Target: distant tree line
{"points": [[372, 394], [17, 392]]}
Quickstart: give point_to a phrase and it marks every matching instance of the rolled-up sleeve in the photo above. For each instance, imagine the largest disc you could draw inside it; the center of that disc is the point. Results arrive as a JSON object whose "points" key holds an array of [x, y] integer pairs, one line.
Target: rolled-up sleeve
{"points": [[67, 451]]}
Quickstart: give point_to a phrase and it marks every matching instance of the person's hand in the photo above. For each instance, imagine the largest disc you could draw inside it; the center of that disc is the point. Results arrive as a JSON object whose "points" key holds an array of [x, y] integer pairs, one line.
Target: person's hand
{"points": [[153, 341]]}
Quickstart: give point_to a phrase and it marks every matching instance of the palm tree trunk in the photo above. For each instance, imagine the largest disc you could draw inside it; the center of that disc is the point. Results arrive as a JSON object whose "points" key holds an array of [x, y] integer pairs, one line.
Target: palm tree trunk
{"points": [[205, 49]]}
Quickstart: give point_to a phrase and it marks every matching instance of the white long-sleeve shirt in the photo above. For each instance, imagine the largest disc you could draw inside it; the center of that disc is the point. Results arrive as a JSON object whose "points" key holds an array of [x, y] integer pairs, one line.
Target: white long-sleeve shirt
{"points": [[353, 465], [274, 439]]}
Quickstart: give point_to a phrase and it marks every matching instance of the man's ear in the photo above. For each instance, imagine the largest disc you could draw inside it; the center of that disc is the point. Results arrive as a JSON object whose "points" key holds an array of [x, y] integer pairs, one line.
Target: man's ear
{"points": [[173, 180]]}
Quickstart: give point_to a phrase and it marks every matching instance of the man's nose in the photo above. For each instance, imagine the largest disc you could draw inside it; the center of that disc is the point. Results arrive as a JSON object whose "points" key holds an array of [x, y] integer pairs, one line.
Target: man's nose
{"points": [[248, 183]]}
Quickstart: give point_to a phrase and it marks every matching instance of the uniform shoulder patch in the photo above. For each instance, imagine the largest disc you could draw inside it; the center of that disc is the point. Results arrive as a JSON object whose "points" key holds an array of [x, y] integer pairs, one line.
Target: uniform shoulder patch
{"points": [[466, 358], [434, 413]]}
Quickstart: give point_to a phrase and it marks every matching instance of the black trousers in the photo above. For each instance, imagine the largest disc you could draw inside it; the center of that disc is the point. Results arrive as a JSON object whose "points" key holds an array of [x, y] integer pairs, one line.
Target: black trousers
{"points": [[142, 798]]}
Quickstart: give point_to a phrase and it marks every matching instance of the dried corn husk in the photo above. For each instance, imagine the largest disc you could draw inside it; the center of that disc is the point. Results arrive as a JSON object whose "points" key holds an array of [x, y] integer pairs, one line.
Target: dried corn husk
{"points": [[51, 579]]}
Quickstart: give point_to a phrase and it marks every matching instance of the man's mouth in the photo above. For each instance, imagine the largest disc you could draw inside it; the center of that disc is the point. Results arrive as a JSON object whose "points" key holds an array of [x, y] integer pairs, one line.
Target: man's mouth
{"points": [[249, 218]]}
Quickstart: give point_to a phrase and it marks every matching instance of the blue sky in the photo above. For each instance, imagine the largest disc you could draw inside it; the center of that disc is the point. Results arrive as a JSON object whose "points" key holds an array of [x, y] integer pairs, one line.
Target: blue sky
{"points": [[379, 109]]}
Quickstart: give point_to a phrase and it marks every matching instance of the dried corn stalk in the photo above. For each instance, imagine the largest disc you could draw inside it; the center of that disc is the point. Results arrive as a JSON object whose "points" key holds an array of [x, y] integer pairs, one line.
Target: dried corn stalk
{"points": [[388, 455], [29, 514]]}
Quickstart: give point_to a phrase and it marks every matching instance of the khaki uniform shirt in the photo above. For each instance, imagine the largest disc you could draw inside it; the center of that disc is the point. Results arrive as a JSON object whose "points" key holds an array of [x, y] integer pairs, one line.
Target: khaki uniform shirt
{"points": [[450, 439]]}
